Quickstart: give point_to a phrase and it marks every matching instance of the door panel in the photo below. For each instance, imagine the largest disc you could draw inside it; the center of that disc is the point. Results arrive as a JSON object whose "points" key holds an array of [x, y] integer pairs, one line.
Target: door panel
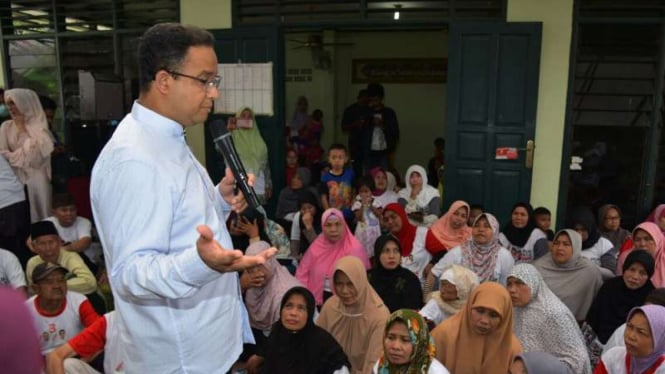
{"points": [[492, 95], [254, 45]]}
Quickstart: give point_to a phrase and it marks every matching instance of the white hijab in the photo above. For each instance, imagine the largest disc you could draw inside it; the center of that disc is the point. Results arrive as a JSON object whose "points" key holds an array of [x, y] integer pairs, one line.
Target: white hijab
{"points": [[426, 194]]}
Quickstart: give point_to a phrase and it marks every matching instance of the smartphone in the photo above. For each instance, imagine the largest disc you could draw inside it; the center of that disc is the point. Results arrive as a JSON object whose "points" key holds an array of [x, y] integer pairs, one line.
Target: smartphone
{"points": [[244, 123]]}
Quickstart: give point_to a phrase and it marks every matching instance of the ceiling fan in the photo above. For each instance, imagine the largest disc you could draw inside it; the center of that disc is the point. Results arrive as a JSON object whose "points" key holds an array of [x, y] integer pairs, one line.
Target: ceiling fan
{"points": [[314, 41]]}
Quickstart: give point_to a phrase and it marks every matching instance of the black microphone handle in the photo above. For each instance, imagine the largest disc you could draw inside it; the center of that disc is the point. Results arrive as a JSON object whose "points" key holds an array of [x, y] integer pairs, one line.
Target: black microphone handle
{"points": [[226, 147]]}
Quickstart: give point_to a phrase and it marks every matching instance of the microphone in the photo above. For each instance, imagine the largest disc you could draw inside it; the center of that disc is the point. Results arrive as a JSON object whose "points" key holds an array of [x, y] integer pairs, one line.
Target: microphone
{"points": [[225, 146]]}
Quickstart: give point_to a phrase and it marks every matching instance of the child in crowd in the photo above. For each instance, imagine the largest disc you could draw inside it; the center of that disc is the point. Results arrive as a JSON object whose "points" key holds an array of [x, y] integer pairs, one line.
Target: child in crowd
{"points": [[291, 164], [474, 211], [366, 211], [337, 183], [543, 218]]}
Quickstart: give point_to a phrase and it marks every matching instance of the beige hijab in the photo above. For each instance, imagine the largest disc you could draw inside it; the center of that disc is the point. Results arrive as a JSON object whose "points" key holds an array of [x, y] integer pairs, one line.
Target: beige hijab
{"points": [[358, 328], [461, 350]]}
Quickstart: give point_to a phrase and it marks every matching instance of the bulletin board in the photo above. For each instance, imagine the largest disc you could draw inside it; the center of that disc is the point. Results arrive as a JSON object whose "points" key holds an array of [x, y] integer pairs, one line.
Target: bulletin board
{"points": [[245, 85]]}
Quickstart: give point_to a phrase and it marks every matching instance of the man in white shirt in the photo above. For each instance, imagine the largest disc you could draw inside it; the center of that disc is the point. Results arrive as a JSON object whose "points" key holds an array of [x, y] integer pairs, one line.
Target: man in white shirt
{"points": [[161, 221], [11, 272], [14, 213]]}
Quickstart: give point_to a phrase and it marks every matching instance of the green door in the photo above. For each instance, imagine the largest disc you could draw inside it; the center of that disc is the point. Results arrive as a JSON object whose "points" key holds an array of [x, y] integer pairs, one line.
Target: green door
{"points": [[254, 45], [493, 73]]}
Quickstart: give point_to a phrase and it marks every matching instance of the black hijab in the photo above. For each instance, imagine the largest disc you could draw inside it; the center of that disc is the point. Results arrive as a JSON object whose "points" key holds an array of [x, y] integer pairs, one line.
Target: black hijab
{"points": [[309, 198], [614, 299], [582, 216], [399, 288], [241, 242], [311, 350], [519, 237]]}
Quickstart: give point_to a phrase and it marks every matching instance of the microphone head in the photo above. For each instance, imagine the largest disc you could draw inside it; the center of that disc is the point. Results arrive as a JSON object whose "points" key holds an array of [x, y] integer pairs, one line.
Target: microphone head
{"points": [[217, 129]]}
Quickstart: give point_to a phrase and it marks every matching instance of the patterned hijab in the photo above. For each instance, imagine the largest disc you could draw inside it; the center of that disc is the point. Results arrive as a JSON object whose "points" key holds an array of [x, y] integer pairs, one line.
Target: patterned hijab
{"points": [[656, 316], [464, 281], [533, 325], [250, 145], [423, 344], [263, 303], [445, 233], [481, 258]]}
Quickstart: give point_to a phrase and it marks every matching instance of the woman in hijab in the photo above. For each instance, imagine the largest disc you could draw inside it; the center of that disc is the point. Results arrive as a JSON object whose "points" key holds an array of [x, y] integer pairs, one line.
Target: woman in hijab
{"points": [[263, 302], [411, 238], [538, 363], [645, 344], [252, 150], [647, 236], [315, 271], [296, 345], [287, 203], [609, 227], [657, 216], [482, 254], [355, 316], [398, 287], [456, 283], [408, 346], [306, 224], [619, 295], [26, 144], [450, 230], [594, 246], [479, 339], [264, 286], [420, 200], [542, 323], [383, 192], [521, 233], [572, 278]]}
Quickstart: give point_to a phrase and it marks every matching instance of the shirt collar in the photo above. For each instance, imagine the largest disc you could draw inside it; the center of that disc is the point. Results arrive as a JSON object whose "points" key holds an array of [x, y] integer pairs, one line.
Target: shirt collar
{"points": [[156, 122]]}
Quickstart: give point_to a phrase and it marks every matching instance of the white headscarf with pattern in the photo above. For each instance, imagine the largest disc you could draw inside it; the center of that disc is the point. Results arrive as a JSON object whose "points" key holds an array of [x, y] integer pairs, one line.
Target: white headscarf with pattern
{"points": [[546, 324]]}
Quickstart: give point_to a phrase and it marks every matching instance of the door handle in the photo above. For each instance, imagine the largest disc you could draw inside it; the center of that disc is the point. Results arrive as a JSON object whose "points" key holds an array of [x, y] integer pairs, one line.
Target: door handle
{"points": [[528, 159]]}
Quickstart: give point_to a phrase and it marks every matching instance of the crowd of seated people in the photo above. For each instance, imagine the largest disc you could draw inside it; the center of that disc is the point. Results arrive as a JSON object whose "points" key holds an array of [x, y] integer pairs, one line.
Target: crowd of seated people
{"points": [[374, 278]]}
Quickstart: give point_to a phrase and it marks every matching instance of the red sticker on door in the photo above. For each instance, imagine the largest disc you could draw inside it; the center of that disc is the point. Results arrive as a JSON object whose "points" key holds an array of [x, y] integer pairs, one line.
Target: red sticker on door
{"points": [[506, 153]]}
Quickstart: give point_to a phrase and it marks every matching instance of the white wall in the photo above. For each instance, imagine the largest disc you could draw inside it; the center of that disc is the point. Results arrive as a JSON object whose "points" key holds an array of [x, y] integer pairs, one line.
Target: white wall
{"points": [[420, 108]]}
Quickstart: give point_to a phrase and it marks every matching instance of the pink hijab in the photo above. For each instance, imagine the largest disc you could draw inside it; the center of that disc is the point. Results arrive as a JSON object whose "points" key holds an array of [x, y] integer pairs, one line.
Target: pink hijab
{"points": [[443, 230], [263, 303], [319, 260], [658, 278], [656, 214]]}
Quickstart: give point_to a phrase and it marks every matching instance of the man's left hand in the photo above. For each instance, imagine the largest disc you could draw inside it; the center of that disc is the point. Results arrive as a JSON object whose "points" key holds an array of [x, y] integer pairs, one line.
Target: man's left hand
{"points": [[226, 189]]}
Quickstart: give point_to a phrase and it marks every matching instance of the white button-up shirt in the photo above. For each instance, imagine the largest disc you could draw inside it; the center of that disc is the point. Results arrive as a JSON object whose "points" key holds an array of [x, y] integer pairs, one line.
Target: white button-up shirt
{"points": [[149, 193]]}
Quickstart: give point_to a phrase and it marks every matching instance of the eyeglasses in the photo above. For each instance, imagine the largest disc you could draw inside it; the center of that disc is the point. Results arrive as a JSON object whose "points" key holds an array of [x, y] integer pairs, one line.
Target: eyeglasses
{"points": [[209, 83]]}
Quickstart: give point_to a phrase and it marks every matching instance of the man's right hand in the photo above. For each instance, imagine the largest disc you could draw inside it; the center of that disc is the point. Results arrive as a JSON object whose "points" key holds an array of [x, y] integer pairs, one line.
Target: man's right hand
{"points": [[224, 260]]}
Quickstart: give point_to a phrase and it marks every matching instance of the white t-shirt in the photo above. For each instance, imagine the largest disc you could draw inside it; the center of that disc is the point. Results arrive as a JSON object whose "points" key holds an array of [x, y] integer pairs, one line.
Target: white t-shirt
{"points": [[80, 229], [295, 227], [601, 247], [434, 313], [435, 367], [525, 253], [419, 257], [11, 272], [504, 264], [57, 330]]}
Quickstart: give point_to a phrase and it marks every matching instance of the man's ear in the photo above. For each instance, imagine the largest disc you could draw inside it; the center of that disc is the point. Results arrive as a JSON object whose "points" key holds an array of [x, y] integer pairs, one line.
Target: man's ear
{"points": [[35, 288], [162, 81]]}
